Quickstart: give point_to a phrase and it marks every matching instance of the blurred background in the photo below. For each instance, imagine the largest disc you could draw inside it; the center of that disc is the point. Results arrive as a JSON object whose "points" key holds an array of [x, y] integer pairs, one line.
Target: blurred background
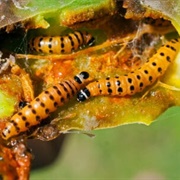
{"points": [[126, 152]]}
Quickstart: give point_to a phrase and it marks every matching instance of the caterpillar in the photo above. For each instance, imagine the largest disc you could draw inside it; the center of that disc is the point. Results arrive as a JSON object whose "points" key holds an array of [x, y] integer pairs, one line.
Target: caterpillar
{"points": [[61, 44], [40, 108], [137, 80], [160, 22]]}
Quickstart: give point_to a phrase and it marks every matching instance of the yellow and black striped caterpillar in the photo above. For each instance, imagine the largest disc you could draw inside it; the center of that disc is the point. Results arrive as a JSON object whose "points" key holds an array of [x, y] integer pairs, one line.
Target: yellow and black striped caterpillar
{"points": [[137, 80], [61, 44], [47, 102]]}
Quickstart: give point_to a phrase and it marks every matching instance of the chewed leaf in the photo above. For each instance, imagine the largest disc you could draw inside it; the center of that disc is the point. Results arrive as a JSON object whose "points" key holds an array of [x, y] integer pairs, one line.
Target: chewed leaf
{"points": [[145, 8], [67, 12], [170, 9], [119, 47], [57, 44]]}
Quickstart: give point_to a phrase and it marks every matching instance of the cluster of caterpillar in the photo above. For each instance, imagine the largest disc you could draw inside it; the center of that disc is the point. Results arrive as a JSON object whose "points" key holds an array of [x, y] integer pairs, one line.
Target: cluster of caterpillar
{"points": [[135, 81], [57, 95]]}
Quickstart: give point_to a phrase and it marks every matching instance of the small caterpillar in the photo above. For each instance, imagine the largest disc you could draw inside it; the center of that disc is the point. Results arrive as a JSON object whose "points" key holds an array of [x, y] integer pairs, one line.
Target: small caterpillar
{"points": [[160, 22], [47, 102], [137, 80], [61, 44]]}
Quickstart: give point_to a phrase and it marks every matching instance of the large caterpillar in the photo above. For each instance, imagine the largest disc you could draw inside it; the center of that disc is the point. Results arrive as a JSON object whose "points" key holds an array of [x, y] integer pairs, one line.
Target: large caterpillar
{"points": [[61, 44], [47, 102], [137, 80]]}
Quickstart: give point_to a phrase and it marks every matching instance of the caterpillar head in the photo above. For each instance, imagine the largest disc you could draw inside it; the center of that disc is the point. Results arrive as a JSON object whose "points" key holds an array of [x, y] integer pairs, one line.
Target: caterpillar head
{"points": [[83, 95], [82, 77], [89, 39]]}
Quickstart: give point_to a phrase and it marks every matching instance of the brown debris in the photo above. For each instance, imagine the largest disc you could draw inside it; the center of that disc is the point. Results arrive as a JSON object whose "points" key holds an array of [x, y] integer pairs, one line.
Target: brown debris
{"points": [[15, 162]]}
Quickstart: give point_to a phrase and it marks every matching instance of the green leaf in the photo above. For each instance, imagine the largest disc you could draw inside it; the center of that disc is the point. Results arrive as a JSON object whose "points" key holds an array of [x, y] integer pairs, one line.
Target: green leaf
{"points": [[68, 11], [7, 105]]}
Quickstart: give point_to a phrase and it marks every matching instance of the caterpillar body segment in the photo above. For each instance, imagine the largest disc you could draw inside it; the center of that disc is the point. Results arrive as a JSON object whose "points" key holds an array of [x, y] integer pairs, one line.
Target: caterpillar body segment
{"points": [[61, 44], [47, 102], [137, 80]]}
